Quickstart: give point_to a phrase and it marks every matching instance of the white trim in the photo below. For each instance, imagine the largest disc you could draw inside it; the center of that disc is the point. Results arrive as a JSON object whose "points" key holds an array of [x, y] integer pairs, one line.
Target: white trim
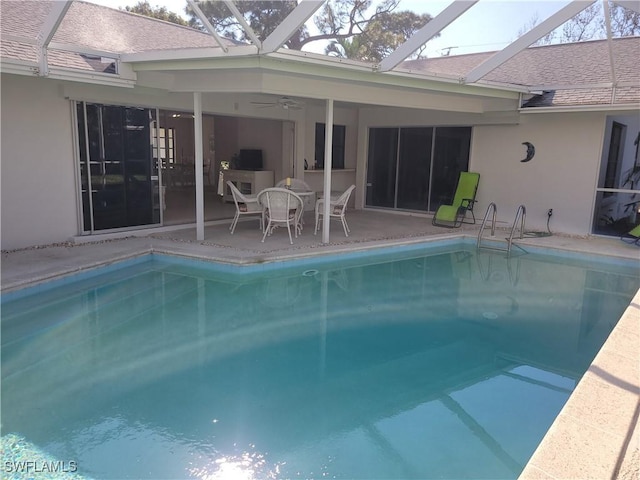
{"points": [[587, 86], [87, 76], [52, 22], [617, 190], [5, 37], [286, 28], [245, 26], [537, 32], [49, 28], [328, 158], [449, 79], [612, 63], [18, 67], [630, 4], [428, 31], [188, 54], [609, 107], [67, 47], [198, 164], [203, 18]]}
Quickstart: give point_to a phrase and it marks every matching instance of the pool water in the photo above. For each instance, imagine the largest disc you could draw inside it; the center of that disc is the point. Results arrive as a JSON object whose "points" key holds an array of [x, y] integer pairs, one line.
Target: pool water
{"points": [[444, 363]]}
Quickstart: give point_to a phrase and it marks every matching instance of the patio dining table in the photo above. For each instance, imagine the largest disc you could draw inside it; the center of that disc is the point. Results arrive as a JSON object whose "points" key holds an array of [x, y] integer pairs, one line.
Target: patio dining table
{"points": [[308, 197]]}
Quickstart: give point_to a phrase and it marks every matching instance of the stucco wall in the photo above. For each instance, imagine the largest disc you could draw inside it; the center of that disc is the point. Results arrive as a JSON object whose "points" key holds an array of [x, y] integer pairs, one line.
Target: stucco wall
{"points": [[38, 175], [562, 175], [39, 203], [38, 178]]}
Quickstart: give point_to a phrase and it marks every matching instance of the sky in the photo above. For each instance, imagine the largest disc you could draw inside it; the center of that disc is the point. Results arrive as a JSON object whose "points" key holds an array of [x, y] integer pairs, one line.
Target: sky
{"points": [[489, 25]]}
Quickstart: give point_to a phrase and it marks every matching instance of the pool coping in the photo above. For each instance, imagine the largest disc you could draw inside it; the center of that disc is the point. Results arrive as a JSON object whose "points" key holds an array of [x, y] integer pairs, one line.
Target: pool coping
{"points": [[596, 434]]}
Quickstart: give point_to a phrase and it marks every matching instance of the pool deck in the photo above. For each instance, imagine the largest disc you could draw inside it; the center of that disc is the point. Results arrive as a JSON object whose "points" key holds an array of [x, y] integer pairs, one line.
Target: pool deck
{"points": [[596, 434]]}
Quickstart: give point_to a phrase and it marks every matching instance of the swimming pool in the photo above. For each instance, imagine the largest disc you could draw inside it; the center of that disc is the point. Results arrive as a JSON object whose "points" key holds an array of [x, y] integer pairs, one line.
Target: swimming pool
{"points": [[420, 363]]}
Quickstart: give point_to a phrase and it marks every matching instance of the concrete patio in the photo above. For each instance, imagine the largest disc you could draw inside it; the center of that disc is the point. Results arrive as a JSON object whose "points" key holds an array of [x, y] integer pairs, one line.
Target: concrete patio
{"points": [[369, 229]]}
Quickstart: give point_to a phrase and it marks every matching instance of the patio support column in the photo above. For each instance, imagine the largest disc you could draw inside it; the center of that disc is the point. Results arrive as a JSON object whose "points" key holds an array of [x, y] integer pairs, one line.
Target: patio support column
{"points": [[328, 156], [199, 164]]}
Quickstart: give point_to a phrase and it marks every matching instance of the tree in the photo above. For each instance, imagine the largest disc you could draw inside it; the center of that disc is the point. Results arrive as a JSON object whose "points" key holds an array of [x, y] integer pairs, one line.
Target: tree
{"points": [[586, 25], [262, 16], [590, 24], [144, 8], [381, 36], [624, 22], [351, 27]]}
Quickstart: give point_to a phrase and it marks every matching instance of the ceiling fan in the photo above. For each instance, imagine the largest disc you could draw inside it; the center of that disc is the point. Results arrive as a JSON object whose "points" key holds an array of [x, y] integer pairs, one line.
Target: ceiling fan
{"points": [[283, 102]]}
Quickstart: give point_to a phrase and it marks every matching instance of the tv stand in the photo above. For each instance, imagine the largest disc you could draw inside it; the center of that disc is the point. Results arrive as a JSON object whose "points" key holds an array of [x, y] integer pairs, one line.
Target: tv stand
{"points": [[249, 182]]}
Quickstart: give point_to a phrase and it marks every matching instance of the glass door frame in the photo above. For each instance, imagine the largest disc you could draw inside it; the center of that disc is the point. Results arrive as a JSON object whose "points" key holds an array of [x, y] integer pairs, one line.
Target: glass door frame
{"points": [[81, 138], [396, 132]]}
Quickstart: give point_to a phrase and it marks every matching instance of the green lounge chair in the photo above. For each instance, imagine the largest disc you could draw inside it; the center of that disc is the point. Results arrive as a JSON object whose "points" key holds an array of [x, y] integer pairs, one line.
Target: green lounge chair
{"points": [[453, 215], [633, 236]]}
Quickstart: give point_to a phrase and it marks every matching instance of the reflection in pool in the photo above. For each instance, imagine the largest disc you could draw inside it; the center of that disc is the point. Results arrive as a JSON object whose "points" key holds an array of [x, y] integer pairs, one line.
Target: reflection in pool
{"points": [[431, 364]]}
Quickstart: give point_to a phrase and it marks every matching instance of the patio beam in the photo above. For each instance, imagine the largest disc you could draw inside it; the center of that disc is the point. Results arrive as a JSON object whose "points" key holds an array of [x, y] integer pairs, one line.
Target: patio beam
{"points": [[245, 26], [45, 35], [207, 24], [537, 32], [199, 164], [428, 31], [612, 63], [328, 157], [291, 24]]}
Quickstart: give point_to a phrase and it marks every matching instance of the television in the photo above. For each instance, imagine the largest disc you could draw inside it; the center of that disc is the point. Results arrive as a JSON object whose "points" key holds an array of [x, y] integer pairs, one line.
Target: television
{"points": [[250, 159]]}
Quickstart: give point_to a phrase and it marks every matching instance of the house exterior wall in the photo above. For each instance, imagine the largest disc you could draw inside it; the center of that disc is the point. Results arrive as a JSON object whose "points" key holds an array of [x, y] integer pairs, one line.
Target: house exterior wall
{"points": [[38, 175], [340, 179], [39, 202], [562, 176], [370, 117], [38, 172]]}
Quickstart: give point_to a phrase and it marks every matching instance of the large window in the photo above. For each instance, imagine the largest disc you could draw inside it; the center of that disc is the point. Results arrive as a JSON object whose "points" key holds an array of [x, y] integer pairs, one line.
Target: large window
{"points": [[415, 168], [119, 178], [166, 146], [337, 149]]}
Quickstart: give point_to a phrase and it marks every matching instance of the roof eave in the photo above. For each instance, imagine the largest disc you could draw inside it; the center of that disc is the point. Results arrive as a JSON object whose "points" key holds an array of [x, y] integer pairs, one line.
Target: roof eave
{"points": [[315, 65], [32, 69], [618, 107]]}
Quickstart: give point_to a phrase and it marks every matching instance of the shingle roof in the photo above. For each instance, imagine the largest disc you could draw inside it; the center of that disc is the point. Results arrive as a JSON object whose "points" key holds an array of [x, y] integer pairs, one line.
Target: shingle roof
{"points": [[570, 64], [583, 65], [94, 27]]}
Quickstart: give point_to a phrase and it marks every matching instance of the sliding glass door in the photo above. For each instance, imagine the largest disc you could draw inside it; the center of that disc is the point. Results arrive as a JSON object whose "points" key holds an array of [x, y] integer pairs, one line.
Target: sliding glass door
{"points": [[414, 165], [382, 168], [415, 168], [118, 174], [451, 150]]}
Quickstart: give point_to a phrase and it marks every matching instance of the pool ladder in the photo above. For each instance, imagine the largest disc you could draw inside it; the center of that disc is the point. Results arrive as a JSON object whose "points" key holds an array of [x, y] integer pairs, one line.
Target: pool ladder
{"points": [[521, 215]]}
